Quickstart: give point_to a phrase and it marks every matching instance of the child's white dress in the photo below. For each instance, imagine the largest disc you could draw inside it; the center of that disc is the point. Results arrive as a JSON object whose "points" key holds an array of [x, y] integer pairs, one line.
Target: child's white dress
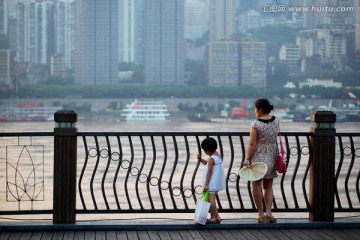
{"points": [[217, 181]]}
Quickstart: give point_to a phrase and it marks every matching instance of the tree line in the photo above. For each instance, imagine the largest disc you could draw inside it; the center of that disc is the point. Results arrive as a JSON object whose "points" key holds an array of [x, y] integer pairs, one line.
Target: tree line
{"points": [[157, 91]]}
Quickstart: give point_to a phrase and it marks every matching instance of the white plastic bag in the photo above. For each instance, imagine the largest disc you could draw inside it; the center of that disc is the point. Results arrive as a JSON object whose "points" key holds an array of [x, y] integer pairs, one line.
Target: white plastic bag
{"points": [[202, 209]]}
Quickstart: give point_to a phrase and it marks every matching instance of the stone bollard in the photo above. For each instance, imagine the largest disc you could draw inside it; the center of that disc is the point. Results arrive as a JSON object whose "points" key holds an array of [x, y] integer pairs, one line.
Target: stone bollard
{"points": [[322, 170], [65, 150]]}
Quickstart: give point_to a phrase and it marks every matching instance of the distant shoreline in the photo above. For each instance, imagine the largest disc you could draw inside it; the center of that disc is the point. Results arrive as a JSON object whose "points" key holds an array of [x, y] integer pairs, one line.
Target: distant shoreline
{"points": [[101, 108], [182, 125]]}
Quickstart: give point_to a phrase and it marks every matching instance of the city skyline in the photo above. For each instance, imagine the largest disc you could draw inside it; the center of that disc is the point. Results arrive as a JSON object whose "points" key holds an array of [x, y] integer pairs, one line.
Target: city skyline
{"points": [[70, 36]]}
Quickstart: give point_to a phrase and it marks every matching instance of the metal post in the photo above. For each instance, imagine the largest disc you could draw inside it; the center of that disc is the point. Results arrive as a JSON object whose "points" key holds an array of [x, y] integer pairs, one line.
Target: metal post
{"points": [[322, 171], [65, 149]]}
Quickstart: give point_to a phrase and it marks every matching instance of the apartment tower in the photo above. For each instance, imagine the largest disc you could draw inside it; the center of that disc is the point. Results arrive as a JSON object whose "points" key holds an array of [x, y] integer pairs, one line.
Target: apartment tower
{"points": [[196, 18], [222, 19], [65, 31], [97, 42], [223, 63], [357, 30], [35, 31], [3, 16], [164, 42], [253, 63], [130, 31]]}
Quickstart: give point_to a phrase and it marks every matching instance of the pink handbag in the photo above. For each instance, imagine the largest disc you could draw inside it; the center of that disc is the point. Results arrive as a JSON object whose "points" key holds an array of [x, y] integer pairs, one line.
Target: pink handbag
{"points": [[280, 163]]}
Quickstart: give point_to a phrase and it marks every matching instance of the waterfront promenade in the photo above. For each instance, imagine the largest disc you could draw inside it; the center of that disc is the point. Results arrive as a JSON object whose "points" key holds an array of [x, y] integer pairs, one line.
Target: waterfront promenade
{"points": [[261, 234], [84, 185], [186, 230]]}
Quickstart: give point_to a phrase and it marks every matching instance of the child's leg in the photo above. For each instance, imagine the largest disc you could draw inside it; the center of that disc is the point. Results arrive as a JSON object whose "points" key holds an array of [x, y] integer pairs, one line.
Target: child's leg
{"points": [[214, 214]]}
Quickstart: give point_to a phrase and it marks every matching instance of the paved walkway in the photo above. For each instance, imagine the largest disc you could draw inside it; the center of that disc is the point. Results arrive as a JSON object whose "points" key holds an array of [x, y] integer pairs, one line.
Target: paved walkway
{"points": [[219, 234], [344, 229]]}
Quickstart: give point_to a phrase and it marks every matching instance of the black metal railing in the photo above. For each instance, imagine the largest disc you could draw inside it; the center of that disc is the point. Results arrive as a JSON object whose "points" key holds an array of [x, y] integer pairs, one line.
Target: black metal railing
{"points": [[26, 173], [158, 173]]}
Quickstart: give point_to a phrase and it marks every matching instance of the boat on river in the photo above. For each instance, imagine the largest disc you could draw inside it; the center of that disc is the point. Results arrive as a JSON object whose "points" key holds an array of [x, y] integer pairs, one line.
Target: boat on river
{"points": [[241, 114], [198, 117], [27, 112], [145, 111], [283, 114], [346, 113]]}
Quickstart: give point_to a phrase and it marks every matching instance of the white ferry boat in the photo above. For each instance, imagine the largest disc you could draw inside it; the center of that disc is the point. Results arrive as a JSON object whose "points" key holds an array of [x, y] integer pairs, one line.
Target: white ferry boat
{"points": [[145, 111]]}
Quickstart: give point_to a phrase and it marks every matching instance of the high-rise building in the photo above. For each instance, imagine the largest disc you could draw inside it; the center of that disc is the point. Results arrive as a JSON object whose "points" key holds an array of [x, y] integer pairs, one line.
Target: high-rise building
{"points": [[253, 63], [57, 65], [328, 13], [310, 17], [307, 40], [331, 17], [311, 65], [65, 31], [139, 44], [164, 42], [223, 62], [35, 31], [327, 43], [357, 23], [196, 18], [3, 16], [12, 7], [249, 20], [290, 54], [97, 42], [5, 67], [12, 33], [130, 30], [331, 12], [222, 19], [332, 45], [12, 23]]}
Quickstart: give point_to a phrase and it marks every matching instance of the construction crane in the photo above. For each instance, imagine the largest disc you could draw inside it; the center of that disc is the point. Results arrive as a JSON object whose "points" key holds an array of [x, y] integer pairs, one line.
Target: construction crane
{"points": [[351, 95]]}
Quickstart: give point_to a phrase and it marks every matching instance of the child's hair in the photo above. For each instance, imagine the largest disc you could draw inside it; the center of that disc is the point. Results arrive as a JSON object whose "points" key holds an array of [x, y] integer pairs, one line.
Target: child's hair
{"points": [[209, 144]]}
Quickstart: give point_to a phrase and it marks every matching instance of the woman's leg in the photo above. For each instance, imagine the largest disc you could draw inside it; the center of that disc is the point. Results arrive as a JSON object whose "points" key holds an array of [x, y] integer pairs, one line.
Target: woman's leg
{"points": [[268, 196], [257, 195]]}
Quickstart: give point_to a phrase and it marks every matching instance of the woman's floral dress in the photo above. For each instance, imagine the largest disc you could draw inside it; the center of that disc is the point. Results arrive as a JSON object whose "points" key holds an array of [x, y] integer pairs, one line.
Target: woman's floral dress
{"points": [[266, 149]]}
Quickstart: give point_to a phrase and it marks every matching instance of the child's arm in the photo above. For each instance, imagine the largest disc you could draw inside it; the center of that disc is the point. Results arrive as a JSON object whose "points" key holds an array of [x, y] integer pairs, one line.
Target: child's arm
{"points": [[200, 159], [209, 172]]}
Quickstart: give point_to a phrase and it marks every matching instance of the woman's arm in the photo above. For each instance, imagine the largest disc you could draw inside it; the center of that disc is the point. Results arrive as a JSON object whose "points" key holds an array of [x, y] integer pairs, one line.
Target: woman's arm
{"points": [[251, 148]]}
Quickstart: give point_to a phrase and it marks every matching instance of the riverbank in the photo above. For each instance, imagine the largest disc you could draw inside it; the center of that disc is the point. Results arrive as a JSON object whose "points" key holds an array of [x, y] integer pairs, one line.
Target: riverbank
{"points": [[179, 108], [166, 126]]}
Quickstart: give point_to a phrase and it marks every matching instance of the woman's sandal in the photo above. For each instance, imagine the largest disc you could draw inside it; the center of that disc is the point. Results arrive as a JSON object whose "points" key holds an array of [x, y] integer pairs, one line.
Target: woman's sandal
{"points": [[261, 219], [271, 219]]}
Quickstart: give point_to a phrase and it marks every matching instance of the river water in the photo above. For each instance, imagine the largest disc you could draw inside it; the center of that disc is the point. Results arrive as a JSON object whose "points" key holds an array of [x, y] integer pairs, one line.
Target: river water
{"points": [[168, 126]]}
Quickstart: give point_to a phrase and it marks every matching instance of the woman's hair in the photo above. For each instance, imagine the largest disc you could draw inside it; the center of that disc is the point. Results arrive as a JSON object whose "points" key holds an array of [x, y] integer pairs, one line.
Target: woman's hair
{"points": [[264, 104], [209, 144]]}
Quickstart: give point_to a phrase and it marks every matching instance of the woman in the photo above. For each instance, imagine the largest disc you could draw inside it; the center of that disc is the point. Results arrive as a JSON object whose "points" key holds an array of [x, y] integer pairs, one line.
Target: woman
{"points": [[263, 148]]}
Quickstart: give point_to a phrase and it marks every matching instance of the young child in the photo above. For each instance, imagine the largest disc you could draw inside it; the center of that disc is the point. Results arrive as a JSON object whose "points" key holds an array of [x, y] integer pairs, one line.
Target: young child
{"points": [[213, 179]]}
